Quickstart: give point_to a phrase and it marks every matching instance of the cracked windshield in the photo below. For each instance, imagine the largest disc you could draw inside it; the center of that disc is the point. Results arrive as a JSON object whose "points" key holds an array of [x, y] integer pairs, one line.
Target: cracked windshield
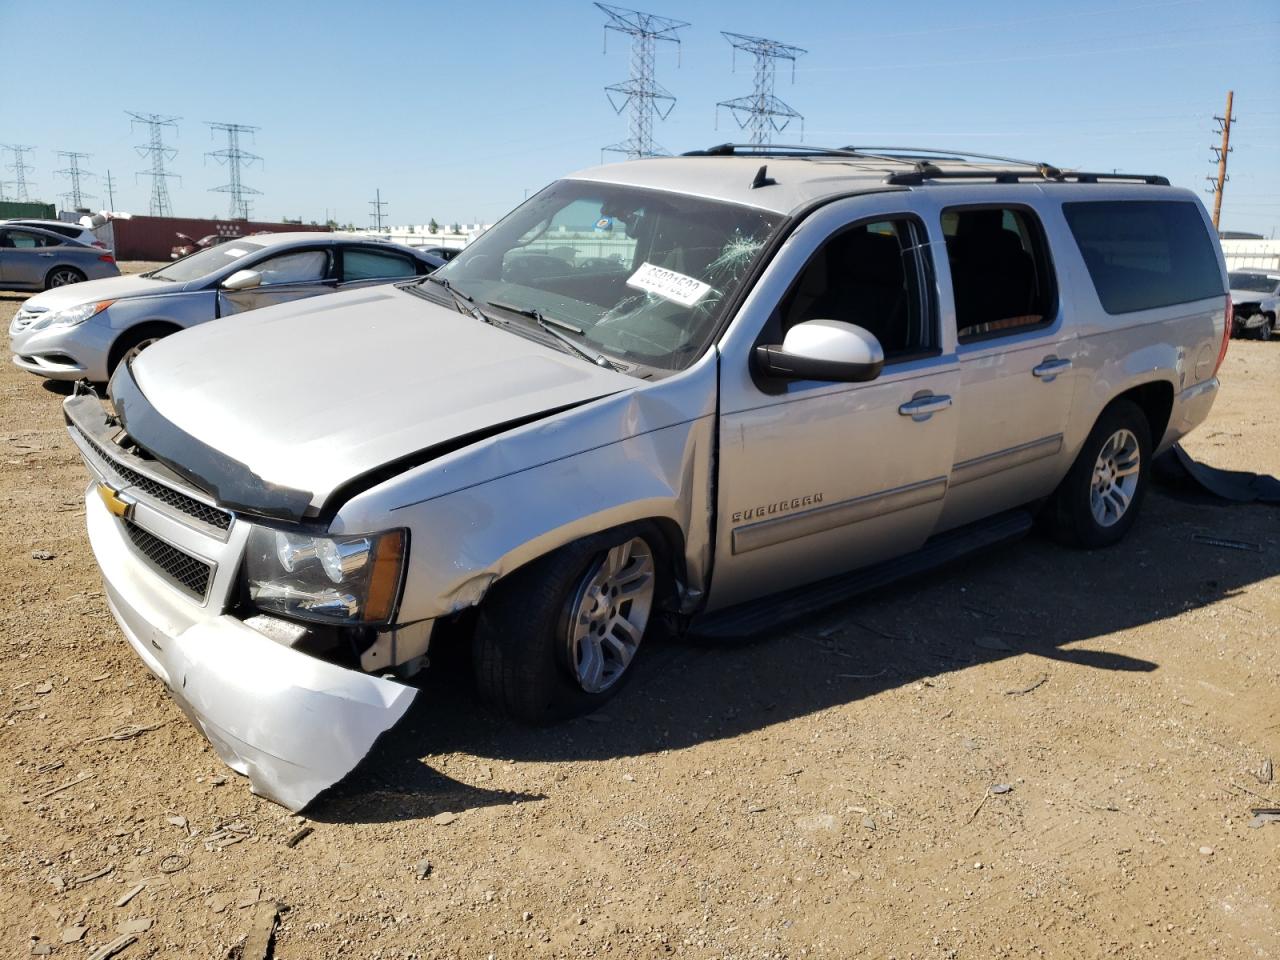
{"points": [[637, 275]]}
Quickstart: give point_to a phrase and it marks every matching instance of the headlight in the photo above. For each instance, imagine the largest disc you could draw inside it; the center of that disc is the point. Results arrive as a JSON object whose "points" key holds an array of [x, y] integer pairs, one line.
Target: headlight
{"points": [[70, 316], [339, 580]]}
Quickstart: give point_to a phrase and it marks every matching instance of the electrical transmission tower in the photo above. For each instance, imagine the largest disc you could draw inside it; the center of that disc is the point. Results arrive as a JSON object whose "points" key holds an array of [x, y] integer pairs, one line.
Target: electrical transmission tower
{"points": [[234, 158], [73, 172], [111, 192], [159, 154], [376, 214], [1220, 181], [762, 113], [642, 96], [20, 167]]}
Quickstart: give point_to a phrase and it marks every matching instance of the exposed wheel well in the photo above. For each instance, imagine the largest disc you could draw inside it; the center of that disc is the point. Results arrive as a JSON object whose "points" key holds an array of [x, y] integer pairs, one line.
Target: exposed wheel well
{"points": [[1155, 399], [140, 331], [62, 266]]}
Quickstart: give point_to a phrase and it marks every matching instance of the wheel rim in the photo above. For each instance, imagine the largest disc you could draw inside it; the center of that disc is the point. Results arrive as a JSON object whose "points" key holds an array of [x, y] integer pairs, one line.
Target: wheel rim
{"points": [[136, 349], [1115, 477], [63, 277], [609, 613]]}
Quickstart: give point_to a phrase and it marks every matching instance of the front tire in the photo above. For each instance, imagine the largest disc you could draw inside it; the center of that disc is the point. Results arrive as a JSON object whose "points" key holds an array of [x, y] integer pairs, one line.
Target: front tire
{"points": [[1267, 329], [1098, 500], [133, 342], [558, 637]]}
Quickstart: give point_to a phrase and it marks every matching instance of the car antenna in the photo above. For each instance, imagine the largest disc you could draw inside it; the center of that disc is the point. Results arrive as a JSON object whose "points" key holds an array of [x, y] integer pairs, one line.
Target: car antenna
{"points": [[762, 178]]}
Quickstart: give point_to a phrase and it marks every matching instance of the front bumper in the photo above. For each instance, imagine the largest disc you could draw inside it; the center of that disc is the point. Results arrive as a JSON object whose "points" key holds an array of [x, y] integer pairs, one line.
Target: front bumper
{"points": [[64, 353], [291, 723]]}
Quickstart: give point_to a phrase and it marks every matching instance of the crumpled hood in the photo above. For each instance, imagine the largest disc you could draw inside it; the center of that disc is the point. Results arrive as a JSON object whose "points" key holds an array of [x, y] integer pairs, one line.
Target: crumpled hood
{"points": [[312, 394], [109, 288]]}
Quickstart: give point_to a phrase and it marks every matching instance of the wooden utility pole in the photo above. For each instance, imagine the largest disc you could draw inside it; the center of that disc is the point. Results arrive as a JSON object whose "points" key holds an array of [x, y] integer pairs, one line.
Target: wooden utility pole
{"points": [[1225, 123]]}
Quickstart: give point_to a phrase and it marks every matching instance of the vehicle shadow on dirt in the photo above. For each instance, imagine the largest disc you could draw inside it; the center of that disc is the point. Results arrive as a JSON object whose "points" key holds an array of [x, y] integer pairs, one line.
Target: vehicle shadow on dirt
{"points": [[1032, 601]]}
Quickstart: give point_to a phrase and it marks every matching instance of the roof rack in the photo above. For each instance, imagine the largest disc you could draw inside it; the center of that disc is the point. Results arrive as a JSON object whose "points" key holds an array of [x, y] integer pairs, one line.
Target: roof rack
{"points": [[923, 162]]}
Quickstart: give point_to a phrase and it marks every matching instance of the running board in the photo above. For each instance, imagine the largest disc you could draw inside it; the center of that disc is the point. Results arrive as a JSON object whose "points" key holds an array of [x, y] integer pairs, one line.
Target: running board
{"points": [[756, 616]]}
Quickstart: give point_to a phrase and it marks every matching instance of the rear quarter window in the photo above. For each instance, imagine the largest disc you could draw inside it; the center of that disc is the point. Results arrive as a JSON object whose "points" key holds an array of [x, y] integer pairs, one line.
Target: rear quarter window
{"points": [[1145, 253]]}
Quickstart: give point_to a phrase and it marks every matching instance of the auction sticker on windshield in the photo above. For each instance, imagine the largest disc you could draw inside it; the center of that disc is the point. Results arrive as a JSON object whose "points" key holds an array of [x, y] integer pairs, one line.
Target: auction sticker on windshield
{"points": [[668, 284]]}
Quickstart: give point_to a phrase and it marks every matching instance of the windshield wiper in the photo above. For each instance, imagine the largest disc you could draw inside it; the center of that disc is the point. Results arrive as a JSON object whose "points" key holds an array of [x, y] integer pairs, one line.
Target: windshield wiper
{"points": [[464, 303], [553, 326]]}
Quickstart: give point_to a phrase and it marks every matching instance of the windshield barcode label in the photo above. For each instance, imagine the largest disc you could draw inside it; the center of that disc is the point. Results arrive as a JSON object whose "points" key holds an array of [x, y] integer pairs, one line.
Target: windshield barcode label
{"points": [[668, 284]]}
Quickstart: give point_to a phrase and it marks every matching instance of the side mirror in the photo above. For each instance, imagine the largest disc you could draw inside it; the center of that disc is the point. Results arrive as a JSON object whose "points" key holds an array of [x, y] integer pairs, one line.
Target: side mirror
{"points": [[823, 350], [242, 280]]}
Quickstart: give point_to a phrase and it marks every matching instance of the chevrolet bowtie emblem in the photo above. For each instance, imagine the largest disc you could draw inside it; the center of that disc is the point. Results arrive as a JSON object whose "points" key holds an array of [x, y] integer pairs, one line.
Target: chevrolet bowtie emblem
{"points": [[116, 503]]}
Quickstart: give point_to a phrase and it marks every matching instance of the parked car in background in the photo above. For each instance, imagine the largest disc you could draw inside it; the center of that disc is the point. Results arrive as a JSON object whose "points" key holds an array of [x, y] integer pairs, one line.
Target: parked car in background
{"points": [[445, 254], [72, 231], [189, 246], [85, 332], [1255, 300], [33, 258], [658, 392]]}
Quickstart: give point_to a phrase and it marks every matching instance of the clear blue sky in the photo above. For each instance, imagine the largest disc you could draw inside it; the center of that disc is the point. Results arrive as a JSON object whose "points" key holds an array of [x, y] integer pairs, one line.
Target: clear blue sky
{"points": [[455, 109]]}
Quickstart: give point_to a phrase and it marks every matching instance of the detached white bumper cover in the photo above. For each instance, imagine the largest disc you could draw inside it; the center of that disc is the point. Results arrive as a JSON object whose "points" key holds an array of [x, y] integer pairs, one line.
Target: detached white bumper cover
{"points": [[292, 724]]}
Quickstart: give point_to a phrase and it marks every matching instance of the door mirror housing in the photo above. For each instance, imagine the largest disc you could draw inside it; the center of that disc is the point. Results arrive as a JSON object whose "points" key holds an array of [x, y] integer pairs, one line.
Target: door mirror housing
{"points": [[242, 280], [823, 350]]}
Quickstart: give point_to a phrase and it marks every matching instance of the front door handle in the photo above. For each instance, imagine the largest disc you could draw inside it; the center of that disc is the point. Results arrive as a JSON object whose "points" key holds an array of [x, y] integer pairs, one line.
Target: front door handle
{"points": [[1050, 367], [922, 408], [44, 254]]}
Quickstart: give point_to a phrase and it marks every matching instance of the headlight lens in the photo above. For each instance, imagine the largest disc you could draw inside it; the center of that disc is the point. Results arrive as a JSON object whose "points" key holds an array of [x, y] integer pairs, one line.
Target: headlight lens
{"points": [[339, 580], [70, 316]]}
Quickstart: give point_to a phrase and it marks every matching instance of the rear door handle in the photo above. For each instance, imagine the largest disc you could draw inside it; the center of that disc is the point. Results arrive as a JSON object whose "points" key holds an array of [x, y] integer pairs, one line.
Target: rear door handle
{"points": [[1050, 368], [922, 408]]}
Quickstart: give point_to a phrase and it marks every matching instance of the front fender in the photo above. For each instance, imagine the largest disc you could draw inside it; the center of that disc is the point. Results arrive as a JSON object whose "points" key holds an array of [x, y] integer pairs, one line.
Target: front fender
{"points": [[649, 455]]}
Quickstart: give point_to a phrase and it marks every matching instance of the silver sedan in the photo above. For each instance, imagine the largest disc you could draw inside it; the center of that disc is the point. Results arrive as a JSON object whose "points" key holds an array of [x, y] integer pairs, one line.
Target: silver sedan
{"points": [[83, 332], [33, 258]]}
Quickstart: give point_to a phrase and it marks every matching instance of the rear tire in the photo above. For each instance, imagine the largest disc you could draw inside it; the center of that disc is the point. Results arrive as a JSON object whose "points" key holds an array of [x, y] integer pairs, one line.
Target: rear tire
{"points": [[1267, 329], [62, 276], [1098, 500], [557, 638]]}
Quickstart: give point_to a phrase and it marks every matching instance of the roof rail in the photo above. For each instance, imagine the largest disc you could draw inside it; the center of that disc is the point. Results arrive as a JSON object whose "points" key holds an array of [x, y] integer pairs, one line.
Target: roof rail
{"points": [[917, 177], [923, 162]]}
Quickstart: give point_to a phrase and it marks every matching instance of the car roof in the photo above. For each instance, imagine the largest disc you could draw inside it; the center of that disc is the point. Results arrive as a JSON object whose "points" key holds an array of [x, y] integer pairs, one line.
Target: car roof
{"points": [[32, 222], [319, 237], [784, 179]]}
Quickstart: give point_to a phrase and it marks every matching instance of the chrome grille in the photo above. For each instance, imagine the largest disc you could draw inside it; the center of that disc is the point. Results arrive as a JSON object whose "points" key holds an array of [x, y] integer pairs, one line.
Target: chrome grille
{"points": [[24, 319], [184, 570], [219, 519]]}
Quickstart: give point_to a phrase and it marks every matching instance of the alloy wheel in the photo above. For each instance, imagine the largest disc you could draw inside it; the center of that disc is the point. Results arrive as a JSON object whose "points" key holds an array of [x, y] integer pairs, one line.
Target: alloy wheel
{"points": [[1115, 477], [609, 613]]}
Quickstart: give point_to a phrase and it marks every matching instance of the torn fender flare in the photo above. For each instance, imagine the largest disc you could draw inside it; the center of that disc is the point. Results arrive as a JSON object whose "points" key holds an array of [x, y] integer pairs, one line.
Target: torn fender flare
{"points": [[293, 724]]}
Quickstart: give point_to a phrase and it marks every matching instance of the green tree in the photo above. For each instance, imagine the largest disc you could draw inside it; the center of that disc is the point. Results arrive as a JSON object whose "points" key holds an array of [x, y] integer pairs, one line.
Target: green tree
{"points": [[433, 227]]}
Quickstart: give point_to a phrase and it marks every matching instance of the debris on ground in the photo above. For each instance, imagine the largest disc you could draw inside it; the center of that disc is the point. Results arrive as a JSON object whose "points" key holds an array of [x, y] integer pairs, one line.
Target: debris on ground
{"points": [[227, 833], [127, 732], [1227, 544], [131, 893], [298, 836], [1033, 685], [1002, 788], [73, 934], [80, 778], [1264, 773], [108, 950], [444, 819], [257, 945], [173, 862], [42, 555], [135, 925], [423, 869]]}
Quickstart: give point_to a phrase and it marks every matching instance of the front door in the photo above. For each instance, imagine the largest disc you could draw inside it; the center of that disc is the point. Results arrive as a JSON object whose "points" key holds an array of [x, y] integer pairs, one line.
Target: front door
{"points": [[25, 257], [287, 276], [817, 478]]}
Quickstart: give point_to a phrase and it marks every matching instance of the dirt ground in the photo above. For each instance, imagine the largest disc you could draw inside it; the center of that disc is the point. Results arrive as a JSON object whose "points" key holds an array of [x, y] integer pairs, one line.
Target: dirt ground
{"points": [[836, 790]]}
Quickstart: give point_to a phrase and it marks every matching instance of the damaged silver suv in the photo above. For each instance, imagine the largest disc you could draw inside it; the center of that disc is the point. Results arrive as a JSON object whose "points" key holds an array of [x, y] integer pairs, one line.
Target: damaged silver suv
{"points": [[708, 391]]}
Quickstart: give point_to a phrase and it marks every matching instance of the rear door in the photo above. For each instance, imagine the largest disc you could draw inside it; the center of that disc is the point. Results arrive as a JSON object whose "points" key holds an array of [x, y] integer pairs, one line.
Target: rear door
{"points": [[292, 275], [26, 256], [1017, 356], [819, 478], [365, 266]]}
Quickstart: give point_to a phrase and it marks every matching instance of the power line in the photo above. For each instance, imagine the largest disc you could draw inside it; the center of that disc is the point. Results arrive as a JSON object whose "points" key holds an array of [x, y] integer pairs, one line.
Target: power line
{"points": [[1220, 181], [762, 113], [641, 96], [19, 168], [73, 172], [377, 214], [159, 154], [234, 158]]}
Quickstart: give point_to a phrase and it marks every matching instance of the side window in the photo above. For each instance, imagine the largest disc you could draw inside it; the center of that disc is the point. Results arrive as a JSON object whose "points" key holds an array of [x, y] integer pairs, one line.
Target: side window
{"points": [[362, 263], [1144, 253], [308, 266], [872, 275], [1001, 276], [23, 240]]}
